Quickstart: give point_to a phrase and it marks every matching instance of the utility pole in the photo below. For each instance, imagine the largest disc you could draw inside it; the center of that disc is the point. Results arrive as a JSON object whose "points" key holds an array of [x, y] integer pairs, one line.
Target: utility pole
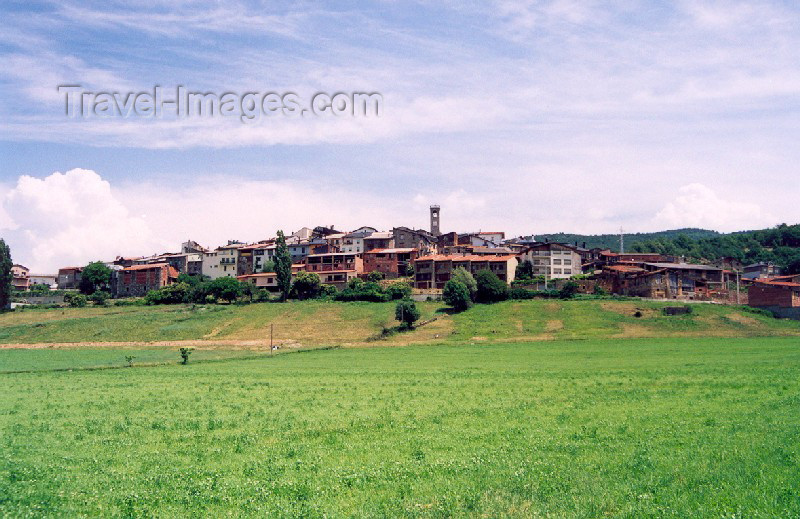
{"points": [[738, 299], [621, 241], [271, 326]]}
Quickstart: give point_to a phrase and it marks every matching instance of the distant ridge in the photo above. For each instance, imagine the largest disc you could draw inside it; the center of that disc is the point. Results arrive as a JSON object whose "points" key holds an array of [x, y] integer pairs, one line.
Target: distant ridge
{"points": [[611, 241]]}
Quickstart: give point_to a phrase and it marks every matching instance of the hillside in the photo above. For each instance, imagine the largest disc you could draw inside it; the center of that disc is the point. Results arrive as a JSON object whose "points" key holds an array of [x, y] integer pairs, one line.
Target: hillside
{"points": [[611, 241], [313, 324]]}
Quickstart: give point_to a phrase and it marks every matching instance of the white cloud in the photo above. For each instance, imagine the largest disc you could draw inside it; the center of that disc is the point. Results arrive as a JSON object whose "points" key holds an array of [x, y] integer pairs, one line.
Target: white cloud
{"points": [[698, 205], [69, 218]]}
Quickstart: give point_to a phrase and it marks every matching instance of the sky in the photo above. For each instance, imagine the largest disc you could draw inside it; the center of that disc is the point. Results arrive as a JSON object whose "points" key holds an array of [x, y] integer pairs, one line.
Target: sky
{"points": [[527, 117]]}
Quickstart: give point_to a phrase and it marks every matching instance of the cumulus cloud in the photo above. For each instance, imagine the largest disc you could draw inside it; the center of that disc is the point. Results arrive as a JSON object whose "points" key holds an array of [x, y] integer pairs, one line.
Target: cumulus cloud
{"points": [[70, 218], [697, 205]]}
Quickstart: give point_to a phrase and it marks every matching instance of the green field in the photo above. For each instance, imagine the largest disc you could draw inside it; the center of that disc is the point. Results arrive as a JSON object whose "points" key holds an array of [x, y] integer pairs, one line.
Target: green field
{"points": [[667, 427], [316, 323], [520, 409]]}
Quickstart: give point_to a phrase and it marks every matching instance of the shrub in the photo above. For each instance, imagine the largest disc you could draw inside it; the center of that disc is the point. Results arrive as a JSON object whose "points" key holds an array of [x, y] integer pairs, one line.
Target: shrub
{"points": [[569, 290], [407, 313], [75, 300], [599, 290], [462, 275], [227, 289], [524, 270], [100, 297], [306, 285], [521, 293], [398, 290], [169, 295], [490, 288], [328, 291], [375, 276], [185, 352], [456, 294]]}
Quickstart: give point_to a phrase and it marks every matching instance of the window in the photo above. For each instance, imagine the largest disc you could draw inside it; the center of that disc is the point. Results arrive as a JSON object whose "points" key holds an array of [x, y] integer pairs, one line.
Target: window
{"points": [[556, 262], [556, 271], [568, 271], [567, 262]]}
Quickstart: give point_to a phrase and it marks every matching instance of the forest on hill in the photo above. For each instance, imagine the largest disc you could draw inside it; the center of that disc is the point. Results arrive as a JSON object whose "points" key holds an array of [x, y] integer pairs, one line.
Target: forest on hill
{"points": [[780, 244]]}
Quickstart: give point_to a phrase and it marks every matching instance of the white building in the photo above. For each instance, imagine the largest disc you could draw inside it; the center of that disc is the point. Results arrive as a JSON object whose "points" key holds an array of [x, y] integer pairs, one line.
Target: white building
{"points": [[553, 260]]}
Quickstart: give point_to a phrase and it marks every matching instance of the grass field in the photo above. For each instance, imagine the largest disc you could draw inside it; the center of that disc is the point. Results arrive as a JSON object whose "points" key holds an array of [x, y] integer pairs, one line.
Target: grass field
{"points": [[313, 323], [628, 427]]}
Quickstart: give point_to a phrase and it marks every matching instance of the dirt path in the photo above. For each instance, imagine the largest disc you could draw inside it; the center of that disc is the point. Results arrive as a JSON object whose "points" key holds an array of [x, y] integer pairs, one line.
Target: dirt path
{"points": [[194, 343]]}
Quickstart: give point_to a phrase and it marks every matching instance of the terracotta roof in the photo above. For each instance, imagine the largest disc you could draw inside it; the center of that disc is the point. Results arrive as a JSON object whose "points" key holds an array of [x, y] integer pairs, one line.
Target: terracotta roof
{"points": [[147, 266], [776, 283], [624, 268], [466, 257], [389, 251]]}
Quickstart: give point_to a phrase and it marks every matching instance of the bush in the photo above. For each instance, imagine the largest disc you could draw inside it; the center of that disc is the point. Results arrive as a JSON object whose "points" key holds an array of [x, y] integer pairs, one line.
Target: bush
{"points": [[398, 290], [407, 313], [524, 270], [456, 294], [227, 289], [599, 290], [521, 293], [569, 290], [169, 295], [375, 276], [490, 288], [100, 297], [328, 291], [75, 300], [306, 285], [185, 352]]}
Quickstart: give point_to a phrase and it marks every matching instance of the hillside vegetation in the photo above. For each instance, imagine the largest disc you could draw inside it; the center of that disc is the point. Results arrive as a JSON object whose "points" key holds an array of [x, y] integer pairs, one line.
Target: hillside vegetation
{"points": [[320, 323]]}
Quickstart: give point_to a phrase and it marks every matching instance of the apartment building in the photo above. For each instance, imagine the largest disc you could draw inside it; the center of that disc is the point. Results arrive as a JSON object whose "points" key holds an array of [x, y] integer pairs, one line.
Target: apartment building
{"points": [[335, 268], [553, 260], [433, 272]]}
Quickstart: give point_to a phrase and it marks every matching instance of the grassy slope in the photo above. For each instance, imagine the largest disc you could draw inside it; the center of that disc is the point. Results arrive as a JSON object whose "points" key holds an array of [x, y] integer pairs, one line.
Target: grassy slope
{"points": [[322, 323], [668, 427]]}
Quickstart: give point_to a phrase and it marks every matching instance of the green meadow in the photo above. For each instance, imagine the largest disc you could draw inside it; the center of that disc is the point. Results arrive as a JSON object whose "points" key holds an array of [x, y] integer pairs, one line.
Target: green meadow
{"points": [[522, 409]]}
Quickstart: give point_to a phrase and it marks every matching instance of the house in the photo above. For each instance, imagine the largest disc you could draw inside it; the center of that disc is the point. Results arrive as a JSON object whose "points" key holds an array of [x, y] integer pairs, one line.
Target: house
{"points": [[761, 270], [354, 241], [303, 234], [782, 298], [69, 277], [20, 277], [298, 251], [378, 240], [676, 281], [432, 272], [553, 260], [262, 254], [49, 280], [423, 241], [335, 268], [391, 262], [268, 280], [222, 261], [482, 239], [137, 280]]}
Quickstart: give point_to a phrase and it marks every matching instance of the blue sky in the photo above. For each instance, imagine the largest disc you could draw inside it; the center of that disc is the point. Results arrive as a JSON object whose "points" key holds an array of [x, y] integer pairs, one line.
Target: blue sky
{"points": [[527, 117]]}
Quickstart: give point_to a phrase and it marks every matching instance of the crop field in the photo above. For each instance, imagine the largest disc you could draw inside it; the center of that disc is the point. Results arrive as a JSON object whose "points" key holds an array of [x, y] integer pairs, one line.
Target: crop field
{"points": [[667, 427]]}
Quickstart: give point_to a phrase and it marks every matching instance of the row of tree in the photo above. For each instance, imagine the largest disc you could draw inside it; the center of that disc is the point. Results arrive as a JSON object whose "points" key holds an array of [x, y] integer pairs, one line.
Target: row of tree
{"points": [[780, 245]]}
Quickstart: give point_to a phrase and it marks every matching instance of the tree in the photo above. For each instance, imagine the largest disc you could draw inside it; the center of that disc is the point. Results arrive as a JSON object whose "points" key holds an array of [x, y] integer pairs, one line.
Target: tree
{"points": [[490, 288], [6, 277], [409, 270], [95, 276], [398, 290], [463, 275], [190, 279], [227, 289], [283, 266], [407, 313], [524, 270], [306, 285], [268, 266], [456, 294]]}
